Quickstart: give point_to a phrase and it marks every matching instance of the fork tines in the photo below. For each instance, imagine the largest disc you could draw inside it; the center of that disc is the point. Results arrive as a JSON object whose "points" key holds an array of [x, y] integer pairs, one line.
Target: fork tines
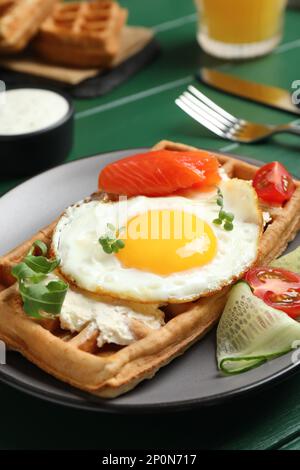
{"points": [[208, 113]]}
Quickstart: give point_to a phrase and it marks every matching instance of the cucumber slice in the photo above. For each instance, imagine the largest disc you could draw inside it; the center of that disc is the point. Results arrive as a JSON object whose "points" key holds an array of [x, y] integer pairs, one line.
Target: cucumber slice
{"points": [[291, 261], [250, 332]]}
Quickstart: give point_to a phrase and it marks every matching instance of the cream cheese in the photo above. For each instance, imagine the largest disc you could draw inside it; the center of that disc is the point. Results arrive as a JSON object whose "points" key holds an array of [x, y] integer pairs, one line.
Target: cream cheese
{"points": [[27, 110], [266, 218], [112, 321]]}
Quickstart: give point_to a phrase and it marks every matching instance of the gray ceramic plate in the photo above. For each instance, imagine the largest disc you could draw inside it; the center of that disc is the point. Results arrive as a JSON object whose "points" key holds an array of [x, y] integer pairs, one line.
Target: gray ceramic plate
{"points": [[190, 380]]}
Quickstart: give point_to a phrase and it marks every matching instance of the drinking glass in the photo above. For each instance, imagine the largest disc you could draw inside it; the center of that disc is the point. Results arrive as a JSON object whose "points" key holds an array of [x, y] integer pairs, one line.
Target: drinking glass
{"points": [[238, 29]]}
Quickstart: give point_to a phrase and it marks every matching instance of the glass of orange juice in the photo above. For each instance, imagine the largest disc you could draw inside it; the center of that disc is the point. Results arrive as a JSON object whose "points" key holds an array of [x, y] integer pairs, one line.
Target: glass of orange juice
{"points": [[238, 29]]}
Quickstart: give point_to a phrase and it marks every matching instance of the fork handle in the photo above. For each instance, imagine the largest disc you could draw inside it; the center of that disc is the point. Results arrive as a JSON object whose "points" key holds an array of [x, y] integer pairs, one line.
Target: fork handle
{"points": [[290, 128]]}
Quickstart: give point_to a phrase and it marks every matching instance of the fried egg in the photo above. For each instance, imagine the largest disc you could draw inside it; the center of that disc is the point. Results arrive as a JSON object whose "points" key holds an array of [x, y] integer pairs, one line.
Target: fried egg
{"points": [[173, 251]]}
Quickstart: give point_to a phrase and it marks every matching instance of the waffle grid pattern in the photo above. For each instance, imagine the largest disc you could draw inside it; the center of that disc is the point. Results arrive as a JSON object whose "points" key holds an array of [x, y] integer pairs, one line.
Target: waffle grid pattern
{"points": [[20, 21], [84, 34]]}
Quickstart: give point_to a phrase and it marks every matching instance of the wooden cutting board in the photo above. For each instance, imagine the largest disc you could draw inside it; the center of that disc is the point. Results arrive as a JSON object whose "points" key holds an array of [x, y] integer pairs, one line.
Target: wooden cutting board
{"points": [[133, 40]]}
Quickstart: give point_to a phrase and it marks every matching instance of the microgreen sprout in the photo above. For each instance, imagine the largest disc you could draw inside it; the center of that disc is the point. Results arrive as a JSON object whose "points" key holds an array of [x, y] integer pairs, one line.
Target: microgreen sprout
{"points": [[41, 296], [224, 218], [109, 242]]}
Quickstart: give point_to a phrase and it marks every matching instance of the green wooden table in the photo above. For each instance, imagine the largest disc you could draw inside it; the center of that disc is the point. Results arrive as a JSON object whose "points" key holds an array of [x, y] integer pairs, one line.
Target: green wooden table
{"points": [[139, 113]]}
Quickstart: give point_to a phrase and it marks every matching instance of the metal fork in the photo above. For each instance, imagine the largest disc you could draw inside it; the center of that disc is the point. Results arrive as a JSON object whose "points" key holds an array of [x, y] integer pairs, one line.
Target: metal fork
{"points": [[225, 125]]}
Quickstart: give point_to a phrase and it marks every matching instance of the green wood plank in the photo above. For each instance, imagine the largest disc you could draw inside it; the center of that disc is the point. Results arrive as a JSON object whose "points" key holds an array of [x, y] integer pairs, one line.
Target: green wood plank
{"points": [[292, 445], [262, 421], [139, 113]]}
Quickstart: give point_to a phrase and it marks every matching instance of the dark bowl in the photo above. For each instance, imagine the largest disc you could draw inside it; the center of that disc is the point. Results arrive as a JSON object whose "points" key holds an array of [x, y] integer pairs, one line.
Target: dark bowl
{"points": [[30, 153]]}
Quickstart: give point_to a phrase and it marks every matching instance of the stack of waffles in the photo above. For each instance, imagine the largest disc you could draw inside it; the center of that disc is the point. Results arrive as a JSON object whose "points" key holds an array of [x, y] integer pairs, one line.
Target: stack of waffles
{"points": [[20, 20], [111, 370], [85, 34], [80, 34]]}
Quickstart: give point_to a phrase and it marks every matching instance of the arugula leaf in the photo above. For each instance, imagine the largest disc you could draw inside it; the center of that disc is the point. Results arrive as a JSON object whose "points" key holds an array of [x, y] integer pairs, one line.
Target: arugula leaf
{"points": [[31, 274], [40, 245], [39, 297], [21, 271], [40, 264]]}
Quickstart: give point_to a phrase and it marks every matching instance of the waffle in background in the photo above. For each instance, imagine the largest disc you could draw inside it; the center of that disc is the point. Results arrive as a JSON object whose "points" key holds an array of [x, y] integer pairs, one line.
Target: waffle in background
{"points": [[20, 21], [135, 42], [82, 34]]}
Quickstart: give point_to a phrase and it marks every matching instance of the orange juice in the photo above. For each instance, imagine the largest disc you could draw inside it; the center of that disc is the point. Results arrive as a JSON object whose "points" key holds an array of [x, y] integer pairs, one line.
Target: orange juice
{"points": [[244, 27]]}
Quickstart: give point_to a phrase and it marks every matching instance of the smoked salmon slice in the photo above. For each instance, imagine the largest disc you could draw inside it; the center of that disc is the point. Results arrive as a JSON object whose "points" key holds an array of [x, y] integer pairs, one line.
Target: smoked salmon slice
{"points": [[160, 173]]}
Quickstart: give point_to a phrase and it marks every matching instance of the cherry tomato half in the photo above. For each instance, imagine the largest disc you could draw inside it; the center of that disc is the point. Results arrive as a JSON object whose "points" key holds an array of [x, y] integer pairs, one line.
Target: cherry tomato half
{"points": [[273, 183], [277, 287]]}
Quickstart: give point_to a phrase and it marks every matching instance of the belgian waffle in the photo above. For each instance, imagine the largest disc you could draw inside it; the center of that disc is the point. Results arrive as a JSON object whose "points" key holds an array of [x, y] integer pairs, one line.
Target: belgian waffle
{"points": [[20, 20], [112, 370], [85, 34]]}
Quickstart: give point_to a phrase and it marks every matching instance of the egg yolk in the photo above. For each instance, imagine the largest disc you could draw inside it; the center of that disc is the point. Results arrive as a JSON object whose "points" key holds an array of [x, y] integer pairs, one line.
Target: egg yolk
{"points": [[166, 242]]}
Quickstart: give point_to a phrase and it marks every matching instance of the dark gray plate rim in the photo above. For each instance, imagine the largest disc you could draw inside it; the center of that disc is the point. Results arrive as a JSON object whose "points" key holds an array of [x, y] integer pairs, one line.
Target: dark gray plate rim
{"points": [[92, 403]]}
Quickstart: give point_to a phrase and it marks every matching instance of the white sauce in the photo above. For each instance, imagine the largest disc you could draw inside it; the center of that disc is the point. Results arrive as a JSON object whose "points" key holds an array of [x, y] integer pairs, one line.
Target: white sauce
{"points": [[28, 110]]}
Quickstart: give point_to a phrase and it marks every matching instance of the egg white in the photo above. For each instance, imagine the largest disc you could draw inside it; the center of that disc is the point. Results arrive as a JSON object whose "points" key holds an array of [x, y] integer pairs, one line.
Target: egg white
{"points": [[75, 242]]}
